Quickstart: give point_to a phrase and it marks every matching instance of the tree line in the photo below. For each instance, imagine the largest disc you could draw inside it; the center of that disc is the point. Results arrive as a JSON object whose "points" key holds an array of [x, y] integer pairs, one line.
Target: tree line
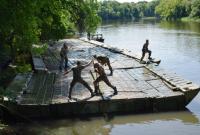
{"points": [[115, 10], [164, 9], [176, 9]]}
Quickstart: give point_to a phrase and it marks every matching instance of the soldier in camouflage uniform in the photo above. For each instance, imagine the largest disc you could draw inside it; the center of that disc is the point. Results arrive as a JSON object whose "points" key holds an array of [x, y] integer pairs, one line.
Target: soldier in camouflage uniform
{"points": [[77, 77], [102, 77], [103, 60], [63, 54], [145, 50]]}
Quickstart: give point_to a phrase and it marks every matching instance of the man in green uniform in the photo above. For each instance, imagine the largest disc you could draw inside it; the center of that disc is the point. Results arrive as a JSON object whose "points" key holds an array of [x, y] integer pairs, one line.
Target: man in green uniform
{"points": [[77, 77], [102, 77], [63, 55], [145, 50], [103, 60]]}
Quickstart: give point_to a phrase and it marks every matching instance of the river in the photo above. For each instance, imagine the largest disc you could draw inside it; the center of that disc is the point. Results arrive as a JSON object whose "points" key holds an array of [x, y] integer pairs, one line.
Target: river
{"points": [[177, 44]]}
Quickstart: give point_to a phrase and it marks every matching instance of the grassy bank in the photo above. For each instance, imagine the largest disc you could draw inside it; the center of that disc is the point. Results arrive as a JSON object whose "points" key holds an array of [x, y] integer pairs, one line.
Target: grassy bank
{"points": [[189, 19], [149, 18]]}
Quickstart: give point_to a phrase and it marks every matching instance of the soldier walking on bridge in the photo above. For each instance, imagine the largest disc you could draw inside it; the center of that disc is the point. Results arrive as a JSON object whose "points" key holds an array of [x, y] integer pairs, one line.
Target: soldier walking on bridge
{"points": [[103, 60], [145, 50], [77, 77], [102, 77]]}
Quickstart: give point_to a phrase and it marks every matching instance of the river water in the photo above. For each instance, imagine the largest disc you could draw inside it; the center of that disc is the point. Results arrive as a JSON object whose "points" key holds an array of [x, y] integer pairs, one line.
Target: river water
{"points": [[177, 44]]}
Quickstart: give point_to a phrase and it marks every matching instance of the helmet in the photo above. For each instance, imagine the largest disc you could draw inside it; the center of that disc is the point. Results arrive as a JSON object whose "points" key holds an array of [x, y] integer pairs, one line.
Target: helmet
{"points": [[78, 62]]}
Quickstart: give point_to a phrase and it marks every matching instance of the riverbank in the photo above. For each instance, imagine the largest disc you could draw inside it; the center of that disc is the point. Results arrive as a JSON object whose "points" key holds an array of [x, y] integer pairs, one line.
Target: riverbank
{"points": [[188, 19]]}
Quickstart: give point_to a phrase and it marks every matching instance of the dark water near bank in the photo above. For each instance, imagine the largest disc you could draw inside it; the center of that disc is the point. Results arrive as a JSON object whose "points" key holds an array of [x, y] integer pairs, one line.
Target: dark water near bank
{"points": [[178, 46]]}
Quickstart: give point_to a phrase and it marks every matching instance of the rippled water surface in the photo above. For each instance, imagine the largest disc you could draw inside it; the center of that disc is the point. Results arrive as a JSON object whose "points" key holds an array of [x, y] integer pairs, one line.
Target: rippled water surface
{"points": [[177, 44]]}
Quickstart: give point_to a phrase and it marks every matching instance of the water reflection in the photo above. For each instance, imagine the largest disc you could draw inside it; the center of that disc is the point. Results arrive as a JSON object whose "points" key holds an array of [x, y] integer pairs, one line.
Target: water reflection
{"points": [[169, 25], [179, 25], [108, 124], [111, 23]]}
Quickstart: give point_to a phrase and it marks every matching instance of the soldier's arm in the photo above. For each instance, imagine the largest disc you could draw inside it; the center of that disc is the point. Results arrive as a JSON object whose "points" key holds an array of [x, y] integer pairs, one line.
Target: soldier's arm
{"points": [[84, 66], [67, 71]]}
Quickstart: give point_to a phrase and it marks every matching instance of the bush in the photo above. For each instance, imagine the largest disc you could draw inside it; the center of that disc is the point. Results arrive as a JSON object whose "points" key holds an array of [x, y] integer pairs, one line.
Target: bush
{"points": [[23, 68], [39, 50]]}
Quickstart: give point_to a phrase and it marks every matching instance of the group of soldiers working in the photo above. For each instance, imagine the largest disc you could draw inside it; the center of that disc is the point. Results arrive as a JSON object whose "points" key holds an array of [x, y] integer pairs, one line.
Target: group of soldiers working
{"points": [[98, 68]]}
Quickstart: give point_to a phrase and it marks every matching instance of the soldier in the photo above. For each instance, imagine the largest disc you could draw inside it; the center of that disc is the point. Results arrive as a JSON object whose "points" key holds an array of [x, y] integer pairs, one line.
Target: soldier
{"points": [[63, 54], [103, 60], [77, 77], [145, 50], [102, 77], [88, 36]]}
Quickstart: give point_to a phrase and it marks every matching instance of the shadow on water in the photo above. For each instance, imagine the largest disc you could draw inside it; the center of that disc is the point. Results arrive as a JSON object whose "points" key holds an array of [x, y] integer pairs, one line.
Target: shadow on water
{"points": [[102, 125]]}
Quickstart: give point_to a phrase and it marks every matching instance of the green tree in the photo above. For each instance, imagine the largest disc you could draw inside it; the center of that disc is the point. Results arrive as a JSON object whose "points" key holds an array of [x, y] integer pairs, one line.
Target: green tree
{"points": [[195, 9], [24, 22], [18, 24], [54, 20], [187, 4], [141, 6], [115, 10], [171, 9], [84, 14], [150, 8]]}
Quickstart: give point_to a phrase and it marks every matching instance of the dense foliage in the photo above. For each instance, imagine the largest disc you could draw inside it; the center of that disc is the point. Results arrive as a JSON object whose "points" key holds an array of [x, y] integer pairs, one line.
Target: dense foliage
{"points": [[24, 22], [165, 9], [27, 22], [195, 8], [175, 9], [116, 10], [171, 9]]}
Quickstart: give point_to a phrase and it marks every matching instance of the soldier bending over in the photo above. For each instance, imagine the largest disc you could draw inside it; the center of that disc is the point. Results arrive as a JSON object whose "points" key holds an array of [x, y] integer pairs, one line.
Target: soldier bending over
{"points": [[102, 77], [104, 60], [77, 77]]}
